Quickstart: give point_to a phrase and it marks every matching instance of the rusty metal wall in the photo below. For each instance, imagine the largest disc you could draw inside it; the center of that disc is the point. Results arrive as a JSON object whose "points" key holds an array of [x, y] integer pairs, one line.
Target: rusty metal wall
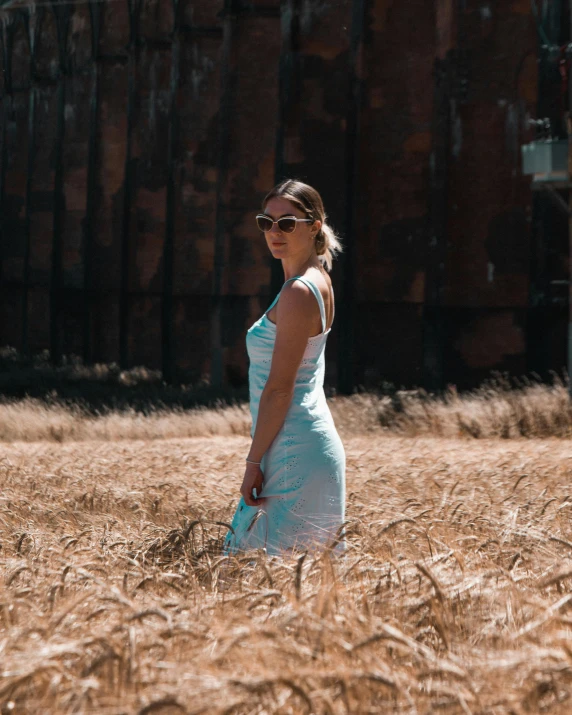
{"points": [[138, 138]]}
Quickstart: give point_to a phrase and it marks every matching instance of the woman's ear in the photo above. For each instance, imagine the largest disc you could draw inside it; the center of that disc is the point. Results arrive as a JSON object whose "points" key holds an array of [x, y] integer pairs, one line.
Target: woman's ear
{"points": [[316, 227]]}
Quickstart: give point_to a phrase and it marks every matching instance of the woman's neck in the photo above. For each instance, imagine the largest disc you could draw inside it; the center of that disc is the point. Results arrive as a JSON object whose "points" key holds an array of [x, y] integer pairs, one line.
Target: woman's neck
{"points": [[298, 269]]}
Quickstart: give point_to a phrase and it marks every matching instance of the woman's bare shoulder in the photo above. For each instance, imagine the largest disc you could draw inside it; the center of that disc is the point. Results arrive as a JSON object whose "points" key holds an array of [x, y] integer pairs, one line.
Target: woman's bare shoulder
{"points": [[319, 278]]}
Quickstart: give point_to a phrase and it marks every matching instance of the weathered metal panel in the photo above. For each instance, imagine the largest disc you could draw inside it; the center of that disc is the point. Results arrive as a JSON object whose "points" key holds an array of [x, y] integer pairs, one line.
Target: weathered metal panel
{"points": [[149, 152], [314, 143], [396, 150], [92, 194], [111, 140], [191, 315], [13, 210], [75, 153], [168, 366], [446, 26], [301, 88], [484, 339], [196, 157], [75, 176], [392, 216], [4, 110], [75, 156], [157, 20], [112, 131], [75, 162], [489, 249], [251, 154], [488, 219], [41, 211], [203, 14], [195, 175], [106, 329], [148, 206], [345, 345], [389, 343], [314, 112], [145, 330], [79, 49], [490, 199], [115, 28], [14, 189], [250, 175]]}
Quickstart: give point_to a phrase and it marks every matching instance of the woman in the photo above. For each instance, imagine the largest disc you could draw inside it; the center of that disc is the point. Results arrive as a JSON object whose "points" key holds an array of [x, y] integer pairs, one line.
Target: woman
{"points": [[293, 492]]}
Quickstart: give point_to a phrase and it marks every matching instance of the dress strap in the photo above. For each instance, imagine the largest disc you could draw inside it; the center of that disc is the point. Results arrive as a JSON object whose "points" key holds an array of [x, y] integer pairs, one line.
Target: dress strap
{"points": [[272, 304], [316, 291]]}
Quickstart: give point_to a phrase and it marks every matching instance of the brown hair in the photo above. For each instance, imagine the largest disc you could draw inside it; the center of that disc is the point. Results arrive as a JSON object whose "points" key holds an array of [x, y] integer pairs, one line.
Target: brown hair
{"points": [[308, 200]]}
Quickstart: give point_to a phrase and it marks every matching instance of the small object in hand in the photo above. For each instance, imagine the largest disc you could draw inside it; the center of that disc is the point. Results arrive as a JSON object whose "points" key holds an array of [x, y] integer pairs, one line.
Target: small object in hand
{"points": [[254, 493]]}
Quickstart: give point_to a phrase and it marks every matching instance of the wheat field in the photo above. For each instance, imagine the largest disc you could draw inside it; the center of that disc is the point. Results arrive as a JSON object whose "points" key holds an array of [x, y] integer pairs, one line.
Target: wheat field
{"points": [[454, 594]]}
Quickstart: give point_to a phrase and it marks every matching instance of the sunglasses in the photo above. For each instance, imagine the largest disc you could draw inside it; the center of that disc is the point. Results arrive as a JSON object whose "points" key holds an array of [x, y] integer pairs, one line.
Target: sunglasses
{"points": [[287, 224]]}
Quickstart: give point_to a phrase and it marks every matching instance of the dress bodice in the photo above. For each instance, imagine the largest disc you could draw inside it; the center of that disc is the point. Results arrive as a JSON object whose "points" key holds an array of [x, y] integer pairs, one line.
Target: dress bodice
{"points": [[309, 383]]}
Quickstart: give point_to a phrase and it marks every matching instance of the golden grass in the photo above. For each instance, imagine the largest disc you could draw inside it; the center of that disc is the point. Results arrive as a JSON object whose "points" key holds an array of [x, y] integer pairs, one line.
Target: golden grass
{"points": [[491, 411], [33, 420], [454, 595]]}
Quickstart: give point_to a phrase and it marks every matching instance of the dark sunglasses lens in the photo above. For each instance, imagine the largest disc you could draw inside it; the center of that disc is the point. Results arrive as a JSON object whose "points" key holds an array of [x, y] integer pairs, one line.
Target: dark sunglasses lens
{"points": [[287, 225], [264, 224]]}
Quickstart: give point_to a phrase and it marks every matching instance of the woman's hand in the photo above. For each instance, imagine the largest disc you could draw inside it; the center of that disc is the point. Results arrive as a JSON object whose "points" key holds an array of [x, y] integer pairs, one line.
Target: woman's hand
{"points": [[253, 479]]}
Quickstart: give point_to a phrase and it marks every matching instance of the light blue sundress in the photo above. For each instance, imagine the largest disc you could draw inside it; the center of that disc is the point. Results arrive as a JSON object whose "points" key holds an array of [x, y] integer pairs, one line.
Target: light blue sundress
{"points": [[304, 468]]}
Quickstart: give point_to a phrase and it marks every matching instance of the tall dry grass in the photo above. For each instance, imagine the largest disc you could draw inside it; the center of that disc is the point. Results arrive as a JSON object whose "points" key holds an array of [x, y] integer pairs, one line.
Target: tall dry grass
{"points": [[33, 420], [454, 595], [497, 409], [494, 411]]}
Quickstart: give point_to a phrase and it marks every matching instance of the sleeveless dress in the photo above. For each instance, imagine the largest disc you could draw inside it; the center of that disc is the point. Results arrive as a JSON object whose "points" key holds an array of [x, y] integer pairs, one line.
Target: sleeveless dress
{"points": [[304, 467]]}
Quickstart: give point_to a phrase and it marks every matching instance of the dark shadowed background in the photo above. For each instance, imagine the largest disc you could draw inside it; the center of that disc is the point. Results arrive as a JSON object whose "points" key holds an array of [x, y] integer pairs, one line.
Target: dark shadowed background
{"points": [[138, 138]]}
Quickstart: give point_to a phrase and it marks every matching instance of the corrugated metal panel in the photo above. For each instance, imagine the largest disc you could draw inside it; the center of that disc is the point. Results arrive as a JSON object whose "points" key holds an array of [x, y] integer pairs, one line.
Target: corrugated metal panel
{"points": [[139, 147]]}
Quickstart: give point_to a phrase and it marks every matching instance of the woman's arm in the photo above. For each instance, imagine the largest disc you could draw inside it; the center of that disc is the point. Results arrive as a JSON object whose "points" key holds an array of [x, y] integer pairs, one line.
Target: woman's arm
{"points": [[295, 321], [297, 314]]}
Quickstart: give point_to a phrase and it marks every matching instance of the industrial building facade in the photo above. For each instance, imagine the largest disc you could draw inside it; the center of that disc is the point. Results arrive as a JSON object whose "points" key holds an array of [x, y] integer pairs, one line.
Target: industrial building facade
{"points": [[138, 138]]}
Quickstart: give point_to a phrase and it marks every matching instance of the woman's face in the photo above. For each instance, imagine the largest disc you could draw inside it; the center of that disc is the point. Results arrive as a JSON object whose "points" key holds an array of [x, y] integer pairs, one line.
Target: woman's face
{"points": [[286, 245]]}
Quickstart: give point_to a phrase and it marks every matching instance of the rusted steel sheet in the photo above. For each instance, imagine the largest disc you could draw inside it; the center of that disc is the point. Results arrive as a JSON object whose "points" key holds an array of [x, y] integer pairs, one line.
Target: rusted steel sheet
{"points": [[315, 115], [16, 114], [487, 282], [248, 176], [111, 170], [75, 163], [297, 96], [251, 153], [167, 297], [345, 335], [446, 25], [148, 208], [396, 149], [109, 193], [157, 21], [195, 175], [41, 212], [115, 29], [196, 164], [43, 43], [490, 198], [89, 303], [314, 142], [389, 342], [13, 210], [203, 14], [392, 216]]}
